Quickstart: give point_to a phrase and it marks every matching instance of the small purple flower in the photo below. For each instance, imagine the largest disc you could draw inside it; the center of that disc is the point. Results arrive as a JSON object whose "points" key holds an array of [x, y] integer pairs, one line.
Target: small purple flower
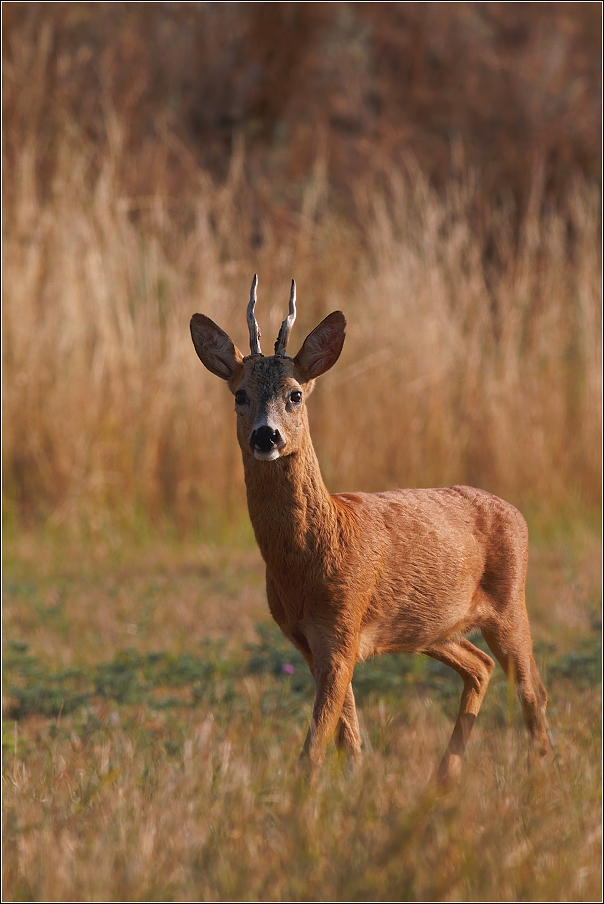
{"points": [[287, 668]]}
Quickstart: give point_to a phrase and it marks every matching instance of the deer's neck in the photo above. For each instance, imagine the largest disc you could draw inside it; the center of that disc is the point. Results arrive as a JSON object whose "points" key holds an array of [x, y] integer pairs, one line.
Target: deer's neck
{"points": [[292, 513]]}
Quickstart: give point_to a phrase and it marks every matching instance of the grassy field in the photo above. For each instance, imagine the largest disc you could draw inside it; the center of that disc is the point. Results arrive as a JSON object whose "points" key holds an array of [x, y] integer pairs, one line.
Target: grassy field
{"points": [[151, 740], [156, 156]]}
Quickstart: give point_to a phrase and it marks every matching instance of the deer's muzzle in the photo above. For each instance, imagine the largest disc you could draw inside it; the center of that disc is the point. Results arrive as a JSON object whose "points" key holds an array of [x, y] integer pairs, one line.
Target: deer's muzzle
{"points": [[266, 441]]}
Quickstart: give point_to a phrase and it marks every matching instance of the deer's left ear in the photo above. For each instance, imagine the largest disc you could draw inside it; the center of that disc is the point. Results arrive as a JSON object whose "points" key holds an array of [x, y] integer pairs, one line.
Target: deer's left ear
{"points": [[321, 348], [215, 348]]}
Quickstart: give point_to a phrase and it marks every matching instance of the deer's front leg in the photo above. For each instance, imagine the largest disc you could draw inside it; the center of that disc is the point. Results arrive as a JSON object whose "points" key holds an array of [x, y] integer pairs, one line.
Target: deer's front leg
{"points": [[348, 733], [333, 680], [348, 736]]}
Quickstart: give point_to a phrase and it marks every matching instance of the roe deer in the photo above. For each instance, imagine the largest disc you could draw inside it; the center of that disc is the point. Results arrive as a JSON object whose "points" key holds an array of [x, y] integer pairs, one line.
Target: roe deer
{"points": [[356, 574]]}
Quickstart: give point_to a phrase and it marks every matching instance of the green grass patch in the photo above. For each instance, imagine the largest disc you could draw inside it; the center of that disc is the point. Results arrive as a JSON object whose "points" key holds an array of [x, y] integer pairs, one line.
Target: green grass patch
{"points": [[130, 677], [162, 680]]}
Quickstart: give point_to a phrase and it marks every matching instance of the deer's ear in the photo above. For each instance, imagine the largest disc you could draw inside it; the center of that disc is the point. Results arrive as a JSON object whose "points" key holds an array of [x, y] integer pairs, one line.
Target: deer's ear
{"points": [[214, 348], [322, 347]]}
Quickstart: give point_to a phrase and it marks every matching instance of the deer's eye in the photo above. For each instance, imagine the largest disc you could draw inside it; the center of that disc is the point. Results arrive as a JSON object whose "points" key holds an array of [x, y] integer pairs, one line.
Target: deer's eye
{"points": [[240, 397], [296, 397]]}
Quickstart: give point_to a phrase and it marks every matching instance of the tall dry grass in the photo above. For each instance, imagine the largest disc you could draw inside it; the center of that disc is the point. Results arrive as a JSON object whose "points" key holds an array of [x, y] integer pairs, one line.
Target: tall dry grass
{"points": [[471, 356], [114, 812]]}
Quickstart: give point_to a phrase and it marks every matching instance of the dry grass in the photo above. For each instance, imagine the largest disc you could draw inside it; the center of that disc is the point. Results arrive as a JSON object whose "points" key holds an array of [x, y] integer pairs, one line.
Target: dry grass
{"points": [[116, 812], [159, 799], [465, 362]]}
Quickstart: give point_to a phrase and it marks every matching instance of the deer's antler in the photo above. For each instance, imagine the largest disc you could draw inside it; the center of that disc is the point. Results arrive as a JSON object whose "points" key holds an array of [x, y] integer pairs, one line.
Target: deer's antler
{"points": [[282, 338], [251, 319]]}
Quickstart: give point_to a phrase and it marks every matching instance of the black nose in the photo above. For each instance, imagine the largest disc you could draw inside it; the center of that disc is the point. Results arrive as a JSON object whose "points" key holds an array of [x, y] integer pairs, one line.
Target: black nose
{"points": [[264, 439]]}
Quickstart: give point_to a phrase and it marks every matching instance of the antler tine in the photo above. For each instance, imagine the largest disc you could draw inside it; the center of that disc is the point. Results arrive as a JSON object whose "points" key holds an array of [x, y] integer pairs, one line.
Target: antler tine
{"points": [[282, 338], [251, 319]]}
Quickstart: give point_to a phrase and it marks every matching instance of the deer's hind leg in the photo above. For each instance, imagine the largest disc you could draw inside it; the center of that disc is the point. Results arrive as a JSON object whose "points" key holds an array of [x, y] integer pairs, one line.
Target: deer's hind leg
{"points": [[507, 630], [512, 647], [475, 669]]}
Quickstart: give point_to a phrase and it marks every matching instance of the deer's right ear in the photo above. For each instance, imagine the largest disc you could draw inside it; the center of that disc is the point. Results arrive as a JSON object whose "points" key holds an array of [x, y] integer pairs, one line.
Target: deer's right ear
{"points": [[214, 348]]}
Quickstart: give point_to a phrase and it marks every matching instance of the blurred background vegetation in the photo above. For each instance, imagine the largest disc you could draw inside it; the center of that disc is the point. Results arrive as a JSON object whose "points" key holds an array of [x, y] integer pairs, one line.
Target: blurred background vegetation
{"points": [[433, 169]]}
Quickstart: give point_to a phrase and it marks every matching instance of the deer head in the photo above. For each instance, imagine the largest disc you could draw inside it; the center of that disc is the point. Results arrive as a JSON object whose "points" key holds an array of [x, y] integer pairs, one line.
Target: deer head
{"points": [[270, 392]]}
